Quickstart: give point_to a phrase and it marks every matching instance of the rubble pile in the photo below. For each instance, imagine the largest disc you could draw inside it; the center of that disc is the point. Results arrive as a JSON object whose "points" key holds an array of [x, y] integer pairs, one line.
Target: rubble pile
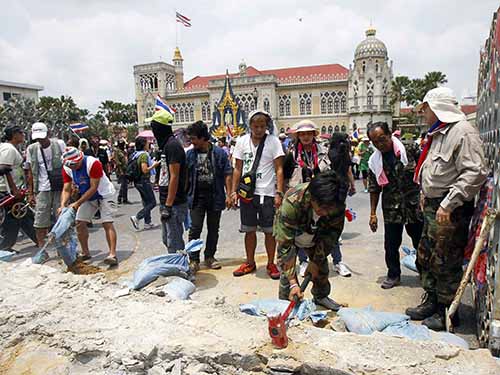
{"points": [[59, 323]]}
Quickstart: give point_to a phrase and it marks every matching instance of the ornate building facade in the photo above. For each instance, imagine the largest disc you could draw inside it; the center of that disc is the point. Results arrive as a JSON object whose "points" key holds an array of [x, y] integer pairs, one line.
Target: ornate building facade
{"points": [[336, 98]]}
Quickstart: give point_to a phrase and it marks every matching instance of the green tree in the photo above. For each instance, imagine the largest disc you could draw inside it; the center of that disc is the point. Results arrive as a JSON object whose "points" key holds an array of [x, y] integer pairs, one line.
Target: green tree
{"points": [[19, 111], [59, 113], [117, 113]]}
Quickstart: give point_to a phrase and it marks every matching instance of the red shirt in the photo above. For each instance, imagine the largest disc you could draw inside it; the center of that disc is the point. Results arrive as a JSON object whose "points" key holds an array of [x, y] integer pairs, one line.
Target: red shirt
{"points": [[96, 171]]}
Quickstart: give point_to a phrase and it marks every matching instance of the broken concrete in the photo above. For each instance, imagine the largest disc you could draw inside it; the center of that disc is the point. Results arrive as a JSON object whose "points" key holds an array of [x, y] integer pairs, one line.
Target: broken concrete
{"points": [[59, 323]]}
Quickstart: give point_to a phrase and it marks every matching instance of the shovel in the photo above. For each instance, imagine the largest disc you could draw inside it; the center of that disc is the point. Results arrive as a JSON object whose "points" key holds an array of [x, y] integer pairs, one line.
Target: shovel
{"points": [[277, 323], [489, 219]]}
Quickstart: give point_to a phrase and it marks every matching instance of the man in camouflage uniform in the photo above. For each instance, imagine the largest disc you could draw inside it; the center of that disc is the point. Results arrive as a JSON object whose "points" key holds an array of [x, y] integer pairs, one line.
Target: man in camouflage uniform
{"points": [[400, 195], [311, 217], [451, 170]]}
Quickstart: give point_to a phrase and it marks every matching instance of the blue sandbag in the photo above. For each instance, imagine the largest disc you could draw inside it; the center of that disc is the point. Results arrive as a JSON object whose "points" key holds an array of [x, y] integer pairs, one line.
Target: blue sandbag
{"points": [[6, 256], [263, 307], [366, 321], [179, 288], [410, 260], [164, 265], [63, 236], [409, 330]]}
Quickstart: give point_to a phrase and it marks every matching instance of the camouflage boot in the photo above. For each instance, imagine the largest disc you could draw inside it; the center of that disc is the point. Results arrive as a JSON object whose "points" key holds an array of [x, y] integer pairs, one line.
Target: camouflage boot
{"points": [[427, 308]]}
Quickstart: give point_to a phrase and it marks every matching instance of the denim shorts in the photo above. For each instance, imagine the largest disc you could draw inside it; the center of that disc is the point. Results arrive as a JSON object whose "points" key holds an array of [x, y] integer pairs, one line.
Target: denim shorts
{"points": [[259, 212]]}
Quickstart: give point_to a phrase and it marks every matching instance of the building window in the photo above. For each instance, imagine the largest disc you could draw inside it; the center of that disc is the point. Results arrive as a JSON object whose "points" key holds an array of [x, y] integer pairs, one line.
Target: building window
{"points": [[205, 111], [267, 105], [354, 127], [384, 100], [343, 129], [323, 106], [355, 99], [364, 66], [6, 96], [343, 104], [330, 105], [323, 129], [337, 129], [305, 103], [284, 105], [281, 107], [336, 105], [369, 99], [184, 112], [330, 129], [246, 101], [148, 82]]}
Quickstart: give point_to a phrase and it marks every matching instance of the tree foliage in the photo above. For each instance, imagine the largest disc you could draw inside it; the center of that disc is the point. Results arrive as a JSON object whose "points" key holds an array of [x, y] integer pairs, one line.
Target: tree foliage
{"points": [[412, 91]]}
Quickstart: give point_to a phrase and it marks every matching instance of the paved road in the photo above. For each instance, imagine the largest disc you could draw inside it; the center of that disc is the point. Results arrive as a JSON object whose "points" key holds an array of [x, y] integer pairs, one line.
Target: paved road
{"points": [[362, 251]]}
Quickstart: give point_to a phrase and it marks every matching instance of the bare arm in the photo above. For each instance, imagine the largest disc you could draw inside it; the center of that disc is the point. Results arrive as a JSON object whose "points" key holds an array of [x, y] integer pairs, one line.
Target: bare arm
{"points": [[374, 198], [280, 181], [94, 183], [65, 194], [236, 180], [173, 184]]}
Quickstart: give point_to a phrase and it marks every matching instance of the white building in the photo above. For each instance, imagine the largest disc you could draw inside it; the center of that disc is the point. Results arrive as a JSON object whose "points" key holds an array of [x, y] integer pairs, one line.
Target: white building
{"points": [[12, 89]]}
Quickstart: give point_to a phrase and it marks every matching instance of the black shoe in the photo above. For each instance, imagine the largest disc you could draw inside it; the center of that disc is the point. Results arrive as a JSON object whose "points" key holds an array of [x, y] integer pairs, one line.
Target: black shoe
{"points": [[328, 303], [389, 283], [426, 309], [436, 322]]}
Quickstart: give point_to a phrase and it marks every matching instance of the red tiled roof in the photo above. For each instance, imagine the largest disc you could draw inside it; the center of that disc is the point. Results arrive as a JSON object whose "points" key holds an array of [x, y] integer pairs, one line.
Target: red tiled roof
{"points": [[298, 74], [469, 108]]}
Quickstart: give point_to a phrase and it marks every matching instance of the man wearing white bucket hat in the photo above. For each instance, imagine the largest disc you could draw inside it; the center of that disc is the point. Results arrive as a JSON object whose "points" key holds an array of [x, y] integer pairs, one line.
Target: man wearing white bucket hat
{"points": [[450, 171]]}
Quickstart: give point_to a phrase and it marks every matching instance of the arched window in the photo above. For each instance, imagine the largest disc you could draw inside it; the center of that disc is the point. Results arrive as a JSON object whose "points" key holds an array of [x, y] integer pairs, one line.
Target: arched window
{"points": [[288, 111], [330, 105], [282, 130], [302, 107], [308, 106], [354, 126], [267, 106], [343, 128], [330, 129], [282, 107], [369, 99], [384, 100], [191, 113], [323, 106], [323, 129], [181, 114], [336, 105], [337, 129], [205, 111], [364, 66], [343, 104], [355, 99]]}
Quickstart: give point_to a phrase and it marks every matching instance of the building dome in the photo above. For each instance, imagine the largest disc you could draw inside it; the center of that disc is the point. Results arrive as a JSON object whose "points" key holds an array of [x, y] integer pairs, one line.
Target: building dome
{"points": [[370, 47]]}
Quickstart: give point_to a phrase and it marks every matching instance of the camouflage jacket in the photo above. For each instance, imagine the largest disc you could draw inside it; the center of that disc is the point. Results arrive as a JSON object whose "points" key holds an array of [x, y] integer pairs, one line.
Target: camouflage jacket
{"points": [[294, 218], [400, 197]]}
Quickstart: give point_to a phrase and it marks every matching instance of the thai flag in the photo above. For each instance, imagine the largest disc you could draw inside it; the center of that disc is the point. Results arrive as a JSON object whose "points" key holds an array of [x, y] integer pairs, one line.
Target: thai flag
{"points": [[78, 127], [355, 134], [160, 104], [182, 19]]}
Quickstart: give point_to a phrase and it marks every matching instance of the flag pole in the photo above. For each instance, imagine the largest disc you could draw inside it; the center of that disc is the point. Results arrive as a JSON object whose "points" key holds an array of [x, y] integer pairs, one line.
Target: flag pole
{"points": [[176, 29]]}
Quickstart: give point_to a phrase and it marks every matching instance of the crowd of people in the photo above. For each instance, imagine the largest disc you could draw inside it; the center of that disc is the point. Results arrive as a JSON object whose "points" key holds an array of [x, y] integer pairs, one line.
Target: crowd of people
{"points": [[291, 188]]}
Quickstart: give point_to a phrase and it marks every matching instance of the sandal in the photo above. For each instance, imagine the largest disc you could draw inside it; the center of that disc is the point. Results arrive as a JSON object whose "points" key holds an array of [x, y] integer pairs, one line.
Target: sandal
{"points": [[244, 269], [111, 261], [83, 257]]}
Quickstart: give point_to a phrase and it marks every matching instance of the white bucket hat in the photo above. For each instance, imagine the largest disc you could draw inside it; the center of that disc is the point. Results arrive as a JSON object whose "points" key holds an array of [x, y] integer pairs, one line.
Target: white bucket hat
{"points": [[305, 126], [444, 104]]}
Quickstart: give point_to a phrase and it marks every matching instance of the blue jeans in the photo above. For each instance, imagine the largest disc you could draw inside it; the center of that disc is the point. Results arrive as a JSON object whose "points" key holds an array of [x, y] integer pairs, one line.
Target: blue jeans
{"points": [[335, 252], [172, 230], [148, 200]]}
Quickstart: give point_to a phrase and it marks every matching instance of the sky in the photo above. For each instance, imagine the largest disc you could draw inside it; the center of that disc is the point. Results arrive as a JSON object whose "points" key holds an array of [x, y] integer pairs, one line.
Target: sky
{"points": [[87, 49]]}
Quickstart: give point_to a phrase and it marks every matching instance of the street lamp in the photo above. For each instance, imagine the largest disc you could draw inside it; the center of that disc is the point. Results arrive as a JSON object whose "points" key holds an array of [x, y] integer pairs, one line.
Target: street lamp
{"points": [[255, 96]]}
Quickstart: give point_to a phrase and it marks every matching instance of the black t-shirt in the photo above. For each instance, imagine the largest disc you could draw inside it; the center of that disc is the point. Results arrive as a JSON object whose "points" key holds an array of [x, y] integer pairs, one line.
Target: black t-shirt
{"points": [[174, 154]]}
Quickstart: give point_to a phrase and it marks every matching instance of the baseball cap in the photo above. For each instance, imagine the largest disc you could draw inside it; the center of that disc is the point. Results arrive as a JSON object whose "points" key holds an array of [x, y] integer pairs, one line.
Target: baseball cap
{"points": [[39, 130], [162, 117]]}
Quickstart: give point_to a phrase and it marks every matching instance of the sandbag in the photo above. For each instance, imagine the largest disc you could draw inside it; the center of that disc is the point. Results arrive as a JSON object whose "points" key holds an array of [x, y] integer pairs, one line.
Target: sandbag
{"points": [[410, 260], [164, 265], [179, 288], [366, 321], [409, 330], [264, 307], [6, 256]]}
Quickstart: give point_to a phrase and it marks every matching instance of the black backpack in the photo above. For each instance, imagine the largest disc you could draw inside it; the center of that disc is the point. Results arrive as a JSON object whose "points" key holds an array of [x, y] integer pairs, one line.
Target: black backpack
{"points": [[133, 171]]}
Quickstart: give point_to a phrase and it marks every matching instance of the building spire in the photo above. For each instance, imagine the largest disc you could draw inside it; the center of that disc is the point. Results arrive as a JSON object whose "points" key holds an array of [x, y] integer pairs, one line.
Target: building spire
{"points": [[177, 54]]}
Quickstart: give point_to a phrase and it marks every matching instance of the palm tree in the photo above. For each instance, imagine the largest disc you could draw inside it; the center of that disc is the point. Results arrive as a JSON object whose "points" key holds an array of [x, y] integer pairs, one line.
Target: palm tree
{"points": [[399, 86]]}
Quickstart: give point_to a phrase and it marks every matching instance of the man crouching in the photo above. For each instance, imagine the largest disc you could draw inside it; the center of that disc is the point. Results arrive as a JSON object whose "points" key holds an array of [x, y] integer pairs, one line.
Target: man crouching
{"points": [[311, 217]]}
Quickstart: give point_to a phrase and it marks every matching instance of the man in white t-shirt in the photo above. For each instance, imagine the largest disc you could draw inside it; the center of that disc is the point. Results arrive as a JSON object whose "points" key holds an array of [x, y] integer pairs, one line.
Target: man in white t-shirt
{"points": [[11, 160], [268, 195], [43, 158]]}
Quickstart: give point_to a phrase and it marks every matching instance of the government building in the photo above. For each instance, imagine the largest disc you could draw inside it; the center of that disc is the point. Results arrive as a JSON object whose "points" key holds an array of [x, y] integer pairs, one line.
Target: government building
{"points": [[336, 98]]}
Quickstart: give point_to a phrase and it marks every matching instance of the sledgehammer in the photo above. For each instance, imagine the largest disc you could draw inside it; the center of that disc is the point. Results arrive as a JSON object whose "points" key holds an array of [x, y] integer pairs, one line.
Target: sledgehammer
{"points": [[277, 323], [490, 217]]}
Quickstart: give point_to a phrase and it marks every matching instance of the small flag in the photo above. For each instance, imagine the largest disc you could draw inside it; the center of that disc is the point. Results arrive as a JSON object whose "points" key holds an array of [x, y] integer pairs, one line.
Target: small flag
{"points": [[160, 104], [355, 134], [78, 127], [182, 19]]}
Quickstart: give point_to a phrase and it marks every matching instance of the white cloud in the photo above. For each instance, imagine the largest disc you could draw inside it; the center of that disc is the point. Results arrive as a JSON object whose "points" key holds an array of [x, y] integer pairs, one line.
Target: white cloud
{"points": [[88, 51]]}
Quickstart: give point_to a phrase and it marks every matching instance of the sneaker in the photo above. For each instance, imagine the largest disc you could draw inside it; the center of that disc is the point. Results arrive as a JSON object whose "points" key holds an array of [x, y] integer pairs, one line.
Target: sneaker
{"points": [[328, 303], [389, 283], [149, 226], [213, 264], [111, 261], [135, 222], [244, 269], [273, 271], [303, 268], [342, 269], [194, 265]]}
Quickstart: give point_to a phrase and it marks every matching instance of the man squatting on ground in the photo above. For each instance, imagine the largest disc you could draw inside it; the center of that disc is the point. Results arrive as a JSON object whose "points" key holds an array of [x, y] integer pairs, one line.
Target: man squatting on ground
{"points": [[311, 217]]}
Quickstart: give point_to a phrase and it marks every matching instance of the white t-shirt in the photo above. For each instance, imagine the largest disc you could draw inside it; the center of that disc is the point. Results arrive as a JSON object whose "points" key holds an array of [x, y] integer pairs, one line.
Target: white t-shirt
{"points": [[94, 170], [245, 150], [9, 155], [43, 177]]}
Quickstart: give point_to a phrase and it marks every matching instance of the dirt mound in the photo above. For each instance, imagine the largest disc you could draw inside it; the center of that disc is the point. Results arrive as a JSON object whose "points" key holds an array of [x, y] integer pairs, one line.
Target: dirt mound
{"points": [[82, 268]]}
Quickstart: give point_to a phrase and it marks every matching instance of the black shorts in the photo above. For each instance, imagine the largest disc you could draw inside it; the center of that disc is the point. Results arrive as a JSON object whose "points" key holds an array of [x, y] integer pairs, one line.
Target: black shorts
{"points": [[364, 174], [254, 214]]}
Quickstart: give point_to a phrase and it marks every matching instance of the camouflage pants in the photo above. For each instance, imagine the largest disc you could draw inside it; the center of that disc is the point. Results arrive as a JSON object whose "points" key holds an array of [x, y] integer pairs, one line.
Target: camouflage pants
{"points": [[321, 285], [441, 250]]}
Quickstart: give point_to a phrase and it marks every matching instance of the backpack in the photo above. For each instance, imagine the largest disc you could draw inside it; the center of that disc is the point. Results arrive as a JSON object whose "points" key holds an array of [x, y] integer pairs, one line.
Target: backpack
{"points": [[133, 171]]}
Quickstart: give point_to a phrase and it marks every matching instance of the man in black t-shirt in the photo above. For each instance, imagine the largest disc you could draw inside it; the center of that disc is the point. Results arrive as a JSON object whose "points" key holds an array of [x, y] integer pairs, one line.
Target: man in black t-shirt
{"points": [[172, 181]]}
